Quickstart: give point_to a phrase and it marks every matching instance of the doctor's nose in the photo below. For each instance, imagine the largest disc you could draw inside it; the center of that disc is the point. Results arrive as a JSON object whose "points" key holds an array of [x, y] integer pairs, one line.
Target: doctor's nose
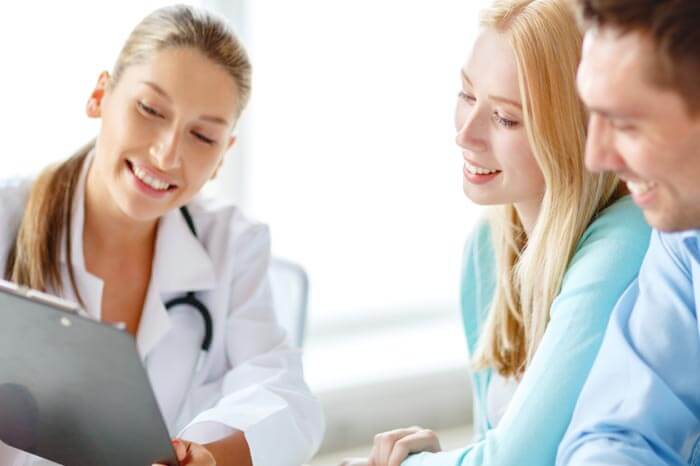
{"points": [[165, 152]]}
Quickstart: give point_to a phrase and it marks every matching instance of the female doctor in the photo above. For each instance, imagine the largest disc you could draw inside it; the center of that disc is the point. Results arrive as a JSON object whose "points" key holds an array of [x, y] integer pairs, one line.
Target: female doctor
{"points": [[105, 228]]}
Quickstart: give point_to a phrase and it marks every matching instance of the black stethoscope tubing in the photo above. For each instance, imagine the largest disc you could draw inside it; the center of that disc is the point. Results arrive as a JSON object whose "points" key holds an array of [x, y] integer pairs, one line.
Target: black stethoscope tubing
{"points": [[190, 299]]}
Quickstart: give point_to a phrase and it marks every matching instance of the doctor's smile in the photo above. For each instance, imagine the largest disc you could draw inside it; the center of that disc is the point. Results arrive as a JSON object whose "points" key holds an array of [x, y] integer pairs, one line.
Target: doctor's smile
{"points": [[148, 182]]}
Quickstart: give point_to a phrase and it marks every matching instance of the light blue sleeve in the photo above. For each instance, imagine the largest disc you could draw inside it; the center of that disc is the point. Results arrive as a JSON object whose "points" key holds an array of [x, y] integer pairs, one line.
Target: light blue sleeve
{"points": [[606, 262], [641, 401]]}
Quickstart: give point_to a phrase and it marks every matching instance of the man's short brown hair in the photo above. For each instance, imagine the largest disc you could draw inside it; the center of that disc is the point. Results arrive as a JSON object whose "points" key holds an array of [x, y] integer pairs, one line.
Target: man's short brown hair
{"points": [[673, 26]]}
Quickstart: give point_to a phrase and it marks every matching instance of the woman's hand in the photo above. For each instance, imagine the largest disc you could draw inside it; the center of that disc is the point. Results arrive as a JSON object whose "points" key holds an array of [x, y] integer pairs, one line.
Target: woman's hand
{"points": [[192, 454], [391, 448]]}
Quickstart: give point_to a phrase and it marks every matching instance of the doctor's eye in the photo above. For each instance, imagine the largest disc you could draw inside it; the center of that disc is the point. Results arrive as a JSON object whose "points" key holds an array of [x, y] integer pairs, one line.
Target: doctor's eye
{"points": [[149, 110], [203, 138]]}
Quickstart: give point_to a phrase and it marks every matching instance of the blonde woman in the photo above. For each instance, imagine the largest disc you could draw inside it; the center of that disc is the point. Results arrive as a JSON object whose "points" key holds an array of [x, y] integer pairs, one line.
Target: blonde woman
{"points": [[561, 245], [120, 228]]}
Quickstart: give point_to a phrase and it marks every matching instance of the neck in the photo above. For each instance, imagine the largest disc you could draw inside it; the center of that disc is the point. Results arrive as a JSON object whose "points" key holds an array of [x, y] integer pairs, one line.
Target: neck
{"points": [[528, 212], [107, 228]]}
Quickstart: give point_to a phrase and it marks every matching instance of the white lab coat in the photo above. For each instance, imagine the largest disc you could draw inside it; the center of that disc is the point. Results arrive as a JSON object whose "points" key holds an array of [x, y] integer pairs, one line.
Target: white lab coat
{"points": [[252, 379]]}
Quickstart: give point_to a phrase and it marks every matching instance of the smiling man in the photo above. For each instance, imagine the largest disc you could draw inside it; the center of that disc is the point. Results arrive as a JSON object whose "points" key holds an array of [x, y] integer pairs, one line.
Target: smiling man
{"points": [[640, 78]]}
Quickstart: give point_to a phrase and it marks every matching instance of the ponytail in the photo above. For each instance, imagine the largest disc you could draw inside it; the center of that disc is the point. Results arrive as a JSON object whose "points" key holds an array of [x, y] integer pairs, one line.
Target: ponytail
{"points": [[34, 259]]}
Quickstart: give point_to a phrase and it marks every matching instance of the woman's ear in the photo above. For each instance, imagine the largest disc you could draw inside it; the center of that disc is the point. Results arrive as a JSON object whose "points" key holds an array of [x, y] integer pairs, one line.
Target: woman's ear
{"points": [[229, 145], [94, 103]]}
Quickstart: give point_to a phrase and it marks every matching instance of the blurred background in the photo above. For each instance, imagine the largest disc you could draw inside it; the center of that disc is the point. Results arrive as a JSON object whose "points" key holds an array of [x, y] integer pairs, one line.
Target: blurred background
{"points": [[347, 152]]}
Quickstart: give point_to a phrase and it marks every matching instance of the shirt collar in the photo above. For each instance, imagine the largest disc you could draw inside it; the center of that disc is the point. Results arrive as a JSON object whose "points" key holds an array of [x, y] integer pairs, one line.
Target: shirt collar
{"points": [[691, 240]]}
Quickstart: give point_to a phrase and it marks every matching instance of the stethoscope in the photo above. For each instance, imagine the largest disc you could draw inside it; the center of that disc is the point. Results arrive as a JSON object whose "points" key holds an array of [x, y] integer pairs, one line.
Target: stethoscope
{"points": [[191, 300]]}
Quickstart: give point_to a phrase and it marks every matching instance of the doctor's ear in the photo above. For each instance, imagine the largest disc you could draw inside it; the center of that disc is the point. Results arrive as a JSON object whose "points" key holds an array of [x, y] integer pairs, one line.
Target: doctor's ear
{"points": [[231, 142], [94, 103]]}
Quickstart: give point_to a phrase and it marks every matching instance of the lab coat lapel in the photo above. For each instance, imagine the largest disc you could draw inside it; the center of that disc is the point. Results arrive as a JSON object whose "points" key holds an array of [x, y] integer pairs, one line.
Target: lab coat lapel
{"points": [[180, 264]]}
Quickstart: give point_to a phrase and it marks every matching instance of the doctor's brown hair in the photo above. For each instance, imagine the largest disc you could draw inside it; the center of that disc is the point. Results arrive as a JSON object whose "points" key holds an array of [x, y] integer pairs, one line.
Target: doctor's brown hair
{"points": [[34, 259], [674, 28]]}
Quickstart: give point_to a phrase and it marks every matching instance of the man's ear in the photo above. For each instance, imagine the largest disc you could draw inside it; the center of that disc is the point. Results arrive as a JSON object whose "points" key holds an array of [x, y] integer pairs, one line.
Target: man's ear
{"points": [[94, 103], [231, 142]]}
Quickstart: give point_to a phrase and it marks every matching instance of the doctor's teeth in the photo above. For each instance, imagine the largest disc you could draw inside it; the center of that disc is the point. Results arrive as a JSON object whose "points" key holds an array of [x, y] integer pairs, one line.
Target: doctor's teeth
{"points": [[640, 187], [479, 171], [149, 180]]}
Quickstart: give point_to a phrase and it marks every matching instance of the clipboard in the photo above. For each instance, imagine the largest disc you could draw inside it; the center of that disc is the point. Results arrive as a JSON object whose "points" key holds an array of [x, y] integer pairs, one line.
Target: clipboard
{"points": [[74, 390]]}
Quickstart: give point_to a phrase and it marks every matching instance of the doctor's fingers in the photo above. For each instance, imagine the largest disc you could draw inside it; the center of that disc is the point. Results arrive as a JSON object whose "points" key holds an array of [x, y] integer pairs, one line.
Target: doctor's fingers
{"points": [[196, 454], [181, 451], [384, 444], [191, 454]]}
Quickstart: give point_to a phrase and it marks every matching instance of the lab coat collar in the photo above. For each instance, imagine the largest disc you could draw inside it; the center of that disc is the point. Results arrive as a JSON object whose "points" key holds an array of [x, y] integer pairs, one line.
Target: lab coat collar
{"points": [[181, 263]]}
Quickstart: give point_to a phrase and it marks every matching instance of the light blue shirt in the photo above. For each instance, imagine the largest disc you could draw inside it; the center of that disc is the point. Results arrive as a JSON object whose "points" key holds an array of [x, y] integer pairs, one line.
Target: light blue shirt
{"points": [[641, 404], [606, 261]]}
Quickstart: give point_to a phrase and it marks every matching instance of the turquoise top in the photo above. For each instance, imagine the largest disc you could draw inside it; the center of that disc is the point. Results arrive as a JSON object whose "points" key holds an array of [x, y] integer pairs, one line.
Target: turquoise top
{"points": [[607, 259]]}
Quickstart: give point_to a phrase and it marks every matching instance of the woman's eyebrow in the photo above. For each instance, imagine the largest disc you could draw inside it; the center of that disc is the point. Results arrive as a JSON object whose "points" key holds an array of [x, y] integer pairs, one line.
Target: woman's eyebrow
{"points": [[465, 78], [500, 99], [503, 100]]}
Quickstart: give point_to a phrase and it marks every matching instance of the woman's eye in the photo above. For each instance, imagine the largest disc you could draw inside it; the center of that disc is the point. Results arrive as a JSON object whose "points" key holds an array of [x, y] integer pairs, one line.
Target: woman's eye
{"points": [[203, 138], [466, 97], [149, 110], [505, 122]]}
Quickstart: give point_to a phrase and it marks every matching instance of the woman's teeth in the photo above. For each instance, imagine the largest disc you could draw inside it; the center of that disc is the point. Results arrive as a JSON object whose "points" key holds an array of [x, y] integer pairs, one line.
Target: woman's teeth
{"points": [[149, 180], [640, 187], [478, 170]]}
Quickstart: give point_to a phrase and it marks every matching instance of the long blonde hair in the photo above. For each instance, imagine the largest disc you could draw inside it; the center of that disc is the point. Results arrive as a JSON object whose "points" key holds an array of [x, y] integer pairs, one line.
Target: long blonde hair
{"points": [[34, 259], [547, 42]]}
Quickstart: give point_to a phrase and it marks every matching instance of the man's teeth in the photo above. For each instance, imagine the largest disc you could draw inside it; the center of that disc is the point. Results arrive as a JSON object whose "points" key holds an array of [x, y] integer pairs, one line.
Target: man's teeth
{"points": [[640, 187], [478, 170], [149, 180]]}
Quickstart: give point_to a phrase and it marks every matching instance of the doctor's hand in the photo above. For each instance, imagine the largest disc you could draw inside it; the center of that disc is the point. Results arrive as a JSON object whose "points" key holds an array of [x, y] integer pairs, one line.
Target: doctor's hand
{"points": [[192, 454], [391, 448]]}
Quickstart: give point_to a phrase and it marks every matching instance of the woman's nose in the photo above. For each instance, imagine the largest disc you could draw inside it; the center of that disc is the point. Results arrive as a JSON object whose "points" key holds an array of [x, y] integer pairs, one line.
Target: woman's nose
{"points": [[470, 133]]}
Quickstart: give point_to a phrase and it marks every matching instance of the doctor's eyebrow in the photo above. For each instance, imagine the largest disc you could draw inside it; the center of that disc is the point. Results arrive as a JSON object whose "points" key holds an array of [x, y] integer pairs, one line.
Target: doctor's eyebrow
{"points": [[209, 118]]}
